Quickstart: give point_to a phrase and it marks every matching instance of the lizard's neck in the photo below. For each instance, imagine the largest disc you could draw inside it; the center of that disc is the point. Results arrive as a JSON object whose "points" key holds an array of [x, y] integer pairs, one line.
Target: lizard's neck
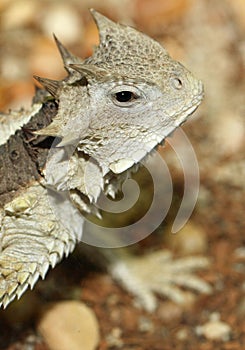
{"points": [[23, 155]]}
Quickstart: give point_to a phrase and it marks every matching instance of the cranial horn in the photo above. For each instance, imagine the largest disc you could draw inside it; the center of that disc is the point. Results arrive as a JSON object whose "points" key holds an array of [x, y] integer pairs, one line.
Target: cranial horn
{"points": [[66, 55], [50, 85], [103, 23], [90, 71], [109, 30]]}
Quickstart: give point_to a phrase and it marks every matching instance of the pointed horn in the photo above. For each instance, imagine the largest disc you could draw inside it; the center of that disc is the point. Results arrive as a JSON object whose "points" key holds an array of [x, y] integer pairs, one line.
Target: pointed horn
{"points": [[67, 56], [53, 129], [51, 86], [112, 31], [89, 70], [103, 23], [101, 20]]}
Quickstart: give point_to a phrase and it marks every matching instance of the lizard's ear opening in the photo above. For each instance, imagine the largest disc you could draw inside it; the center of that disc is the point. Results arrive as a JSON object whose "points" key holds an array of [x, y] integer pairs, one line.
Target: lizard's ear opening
{"points": [[67, 56], [91, 72]]}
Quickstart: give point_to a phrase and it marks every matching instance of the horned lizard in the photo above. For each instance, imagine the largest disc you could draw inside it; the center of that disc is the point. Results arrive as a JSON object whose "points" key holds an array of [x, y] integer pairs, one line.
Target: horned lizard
{"points": [[114, 107]]}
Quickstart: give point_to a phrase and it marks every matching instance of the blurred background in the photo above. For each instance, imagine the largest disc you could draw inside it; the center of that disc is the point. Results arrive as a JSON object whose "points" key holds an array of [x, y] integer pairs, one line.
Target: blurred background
{"points": [[208, 37]]}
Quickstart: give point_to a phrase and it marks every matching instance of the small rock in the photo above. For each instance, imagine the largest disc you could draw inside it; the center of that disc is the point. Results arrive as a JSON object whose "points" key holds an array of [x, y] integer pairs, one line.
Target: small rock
{"points": [[155, 13], [45, 59], [240, 252], [145, 325], [114, 338], [19, 14], [191, 239], [182, 334], [215, 329], [92, 38], [241, 308], [239, 11], [169, 312], [129, 318], [64, 21], [69, 325], [229, 123]]}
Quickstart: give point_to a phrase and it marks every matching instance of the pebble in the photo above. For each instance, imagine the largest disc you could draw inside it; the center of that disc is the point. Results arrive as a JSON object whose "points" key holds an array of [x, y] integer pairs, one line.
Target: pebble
{"points": [[69, 325], [64, 21], [182, 334], [168, 312], [230, 123], [45, 59], [191, 239], [145, 325], [241, 308], [18, 14], [113, 339], [215, 329], [155, 13], [239, 11], [240, 252]]}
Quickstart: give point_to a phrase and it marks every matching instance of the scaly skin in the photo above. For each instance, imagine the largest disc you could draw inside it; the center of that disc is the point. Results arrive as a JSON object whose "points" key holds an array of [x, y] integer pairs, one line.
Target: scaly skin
{"points": [[116, 107]]}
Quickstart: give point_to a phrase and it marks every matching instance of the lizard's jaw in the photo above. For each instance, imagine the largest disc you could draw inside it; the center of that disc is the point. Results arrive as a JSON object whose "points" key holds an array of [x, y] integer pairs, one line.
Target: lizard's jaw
{"points": [[184, 115]]}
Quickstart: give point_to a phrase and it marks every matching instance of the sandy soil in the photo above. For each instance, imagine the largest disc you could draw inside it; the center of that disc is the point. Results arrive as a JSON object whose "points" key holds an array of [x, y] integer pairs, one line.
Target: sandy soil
{"points": [[208, 37]]}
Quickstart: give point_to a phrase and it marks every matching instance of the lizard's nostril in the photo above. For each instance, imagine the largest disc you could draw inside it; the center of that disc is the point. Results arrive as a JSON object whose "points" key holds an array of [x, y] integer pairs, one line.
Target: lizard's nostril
{"points": [[176, 83]]}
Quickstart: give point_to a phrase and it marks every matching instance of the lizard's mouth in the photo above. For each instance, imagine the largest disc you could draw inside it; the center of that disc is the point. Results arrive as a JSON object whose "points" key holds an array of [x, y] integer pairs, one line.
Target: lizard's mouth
{"points": [[181, 118], [198, 95]]}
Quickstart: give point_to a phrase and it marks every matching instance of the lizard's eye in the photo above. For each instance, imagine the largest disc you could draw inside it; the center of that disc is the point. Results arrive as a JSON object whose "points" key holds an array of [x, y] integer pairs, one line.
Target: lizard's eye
{"points": [[125, 95]]}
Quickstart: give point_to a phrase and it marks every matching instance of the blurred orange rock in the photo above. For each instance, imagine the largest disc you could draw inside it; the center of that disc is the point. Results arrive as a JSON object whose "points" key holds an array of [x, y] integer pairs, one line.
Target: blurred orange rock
{"points": [[18, 14], [69, 325], [152, 13], [91, 38], [64, 20], [45, 59], [16, 95], [239, 11], [191, 239]]}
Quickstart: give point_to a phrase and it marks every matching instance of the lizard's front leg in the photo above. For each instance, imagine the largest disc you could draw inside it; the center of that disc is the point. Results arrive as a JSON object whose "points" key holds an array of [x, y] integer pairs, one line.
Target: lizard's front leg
{"points": [[32, 240]]}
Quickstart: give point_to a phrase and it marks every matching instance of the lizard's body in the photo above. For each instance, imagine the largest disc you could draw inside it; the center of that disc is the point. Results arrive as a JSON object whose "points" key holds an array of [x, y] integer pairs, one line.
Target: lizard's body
{"points": [[115, 107]]}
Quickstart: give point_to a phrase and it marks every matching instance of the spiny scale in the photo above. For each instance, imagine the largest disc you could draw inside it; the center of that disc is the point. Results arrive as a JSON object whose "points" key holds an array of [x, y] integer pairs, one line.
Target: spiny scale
{"points": [[91, 71], [116, 136], [67, 57], [50, 85]]}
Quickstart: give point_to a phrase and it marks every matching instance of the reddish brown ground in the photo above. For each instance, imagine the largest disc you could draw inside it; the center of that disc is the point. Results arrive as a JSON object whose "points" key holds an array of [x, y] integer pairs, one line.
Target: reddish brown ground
{"points": [[209, 38]]}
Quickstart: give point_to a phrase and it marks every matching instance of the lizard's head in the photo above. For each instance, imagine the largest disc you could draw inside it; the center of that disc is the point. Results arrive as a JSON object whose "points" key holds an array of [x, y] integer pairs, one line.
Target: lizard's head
{"points": [[121, 102]]}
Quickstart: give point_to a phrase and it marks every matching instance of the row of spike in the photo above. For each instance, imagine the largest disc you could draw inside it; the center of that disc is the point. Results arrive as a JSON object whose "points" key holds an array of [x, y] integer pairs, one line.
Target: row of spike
{"points": [[28, 279], [52, 86], [71, 62], [86, 70]]}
